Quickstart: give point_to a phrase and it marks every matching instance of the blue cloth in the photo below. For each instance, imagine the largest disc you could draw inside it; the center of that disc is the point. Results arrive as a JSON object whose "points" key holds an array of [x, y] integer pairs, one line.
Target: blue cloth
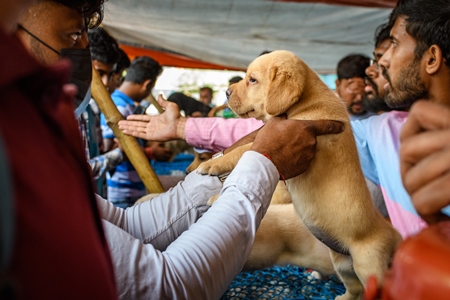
{"points": [[288, 282], [177, 166], [124, 184]]}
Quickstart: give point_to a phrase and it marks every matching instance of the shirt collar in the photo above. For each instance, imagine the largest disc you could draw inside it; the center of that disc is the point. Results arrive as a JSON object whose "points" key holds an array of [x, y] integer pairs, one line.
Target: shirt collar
{"points": [[124, 97]]}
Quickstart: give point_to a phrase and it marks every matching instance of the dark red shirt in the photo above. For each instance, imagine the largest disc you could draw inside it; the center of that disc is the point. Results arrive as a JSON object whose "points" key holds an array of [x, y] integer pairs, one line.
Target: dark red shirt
{"points": [[60, 251]]}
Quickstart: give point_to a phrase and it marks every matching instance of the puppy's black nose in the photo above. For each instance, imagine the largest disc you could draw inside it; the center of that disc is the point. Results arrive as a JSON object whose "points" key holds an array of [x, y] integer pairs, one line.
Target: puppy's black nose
{"points": [[228, 92]]}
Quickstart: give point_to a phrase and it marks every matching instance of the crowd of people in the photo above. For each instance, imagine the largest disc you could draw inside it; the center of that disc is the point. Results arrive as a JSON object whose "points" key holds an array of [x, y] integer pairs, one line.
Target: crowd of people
{"points": [[61, 239]]}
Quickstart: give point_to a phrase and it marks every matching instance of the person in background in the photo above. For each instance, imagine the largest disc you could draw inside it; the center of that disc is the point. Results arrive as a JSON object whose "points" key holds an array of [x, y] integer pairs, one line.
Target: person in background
{"points": [[189, 106], [223, 110], [350, 84], [206, 95], [104, 55], [119, 71], [373, 100], [124, 184]]}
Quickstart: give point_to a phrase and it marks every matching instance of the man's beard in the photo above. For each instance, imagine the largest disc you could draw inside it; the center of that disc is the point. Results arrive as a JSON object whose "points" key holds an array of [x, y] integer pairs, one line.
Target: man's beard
{"points": [[410, 87], [373, 102]]}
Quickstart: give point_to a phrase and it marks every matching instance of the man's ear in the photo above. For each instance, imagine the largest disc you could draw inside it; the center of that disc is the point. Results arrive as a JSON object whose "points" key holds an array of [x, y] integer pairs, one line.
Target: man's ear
{"points": [[337, 82], [338, 86], [146, 84], [433, 59]]}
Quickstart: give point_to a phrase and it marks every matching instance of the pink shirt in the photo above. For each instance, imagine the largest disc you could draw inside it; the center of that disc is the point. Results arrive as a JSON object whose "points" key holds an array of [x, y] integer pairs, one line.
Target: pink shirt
{"points": [[217, 134]]}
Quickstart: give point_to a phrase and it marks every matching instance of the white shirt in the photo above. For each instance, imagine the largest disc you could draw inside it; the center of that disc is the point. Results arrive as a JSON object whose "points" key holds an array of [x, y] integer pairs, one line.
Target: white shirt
{"points": [[162, 249]]}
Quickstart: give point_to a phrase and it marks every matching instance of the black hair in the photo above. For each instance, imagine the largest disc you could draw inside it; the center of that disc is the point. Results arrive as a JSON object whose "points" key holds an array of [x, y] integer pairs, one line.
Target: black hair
{"points": [[428, 22], [265, 52], [104, 47], [123, 62], [143, 68], [207, 88], [382, 33], [188, 104], [353, 65], [92, 10], [234, 79]]}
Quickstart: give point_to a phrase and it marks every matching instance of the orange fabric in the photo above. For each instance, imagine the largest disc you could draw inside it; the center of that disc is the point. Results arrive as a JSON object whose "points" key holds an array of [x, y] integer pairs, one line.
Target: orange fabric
{"points": [[172, 60]]}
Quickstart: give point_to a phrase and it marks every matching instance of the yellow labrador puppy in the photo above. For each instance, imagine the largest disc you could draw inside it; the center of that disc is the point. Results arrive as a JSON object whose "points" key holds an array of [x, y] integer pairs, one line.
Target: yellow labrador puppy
{"points": [[200, 155], [280, 196], [331, 197], [283, 239]]}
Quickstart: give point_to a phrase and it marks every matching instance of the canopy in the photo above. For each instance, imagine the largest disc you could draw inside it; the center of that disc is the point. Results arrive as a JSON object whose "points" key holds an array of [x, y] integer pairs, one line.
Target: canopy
{"points": [[229, 34]]}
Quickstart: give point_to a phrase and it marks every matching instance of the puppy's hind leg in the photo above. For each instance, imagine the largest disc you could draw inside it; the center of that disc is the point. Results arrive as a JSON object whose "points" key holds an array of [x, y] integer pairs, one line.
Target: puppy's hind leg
{"points": [[343, 266]]}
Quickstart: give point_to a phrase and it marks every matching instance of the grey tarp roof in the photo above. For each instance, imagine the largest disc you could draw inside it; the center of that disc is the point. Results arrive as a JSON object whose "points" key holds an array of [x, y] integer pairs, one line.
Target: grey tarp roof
{"points": [[234, 32]]}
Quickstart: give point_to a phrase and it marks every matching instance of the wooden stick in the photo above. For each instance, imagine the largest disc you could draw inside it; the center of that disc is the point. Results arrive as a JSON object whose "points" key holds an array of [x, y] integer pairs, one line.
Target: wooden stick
{"points": [[129, 144], [155, 103]]}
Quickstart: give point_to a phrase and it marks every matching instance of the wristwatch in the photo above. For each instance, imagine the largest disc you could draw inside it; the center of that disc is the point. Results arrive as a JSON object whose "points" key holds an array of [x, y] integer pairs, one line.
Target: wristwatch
{"points": [[217, 155], [223, 177]]}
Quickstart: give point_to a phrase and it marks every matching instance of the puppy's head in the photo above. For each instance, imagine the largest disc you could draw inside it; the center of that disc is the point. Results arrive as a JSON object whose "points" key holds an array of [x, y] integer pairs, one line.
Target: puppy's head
{"points": [[273, 83], [199, 157]]}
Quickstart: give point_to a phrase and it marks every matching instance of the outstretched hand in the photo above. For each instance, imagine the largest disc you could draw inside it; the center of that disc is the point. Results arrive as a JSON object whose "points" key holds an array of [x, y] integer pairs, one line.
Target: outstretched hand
{"points": [[291, 144], [164, 127], [425, 159]]}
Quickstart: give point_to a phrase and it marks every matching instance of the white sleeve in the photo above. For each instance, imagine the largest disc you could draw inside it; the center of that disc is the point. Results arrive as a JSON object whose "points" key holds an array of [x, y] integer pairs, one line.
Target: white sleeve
{"points": [[162, 219], [201, 262]]}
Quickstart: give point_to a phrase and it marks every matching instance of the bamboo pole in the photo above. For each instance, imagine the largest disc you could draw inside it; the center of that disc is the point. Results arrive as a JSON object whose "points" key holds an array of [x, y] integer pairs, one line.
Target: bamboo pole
{"points": [[128, 143], [153, 101]]}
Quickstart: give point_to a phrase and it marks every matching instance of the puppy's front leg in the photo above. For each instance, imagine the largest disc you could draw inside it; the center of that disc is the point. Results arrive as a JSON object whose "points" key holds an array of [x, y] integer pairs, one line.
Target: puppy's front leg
{"points": [[223, 165]]}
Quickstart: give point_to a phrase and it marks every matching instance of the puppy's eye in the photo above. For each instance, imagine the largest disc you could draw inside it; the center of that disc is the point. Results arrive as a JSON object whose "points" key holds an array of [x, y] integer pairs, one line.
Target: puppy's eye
{"points": [[252, 80]]}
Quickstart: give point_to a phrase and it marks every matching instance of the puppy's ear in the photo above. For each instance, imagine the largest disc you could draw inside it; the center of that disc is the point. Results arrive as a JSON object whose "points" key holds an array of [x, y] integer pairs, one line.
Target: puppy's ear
{"points": [[285, 89]]}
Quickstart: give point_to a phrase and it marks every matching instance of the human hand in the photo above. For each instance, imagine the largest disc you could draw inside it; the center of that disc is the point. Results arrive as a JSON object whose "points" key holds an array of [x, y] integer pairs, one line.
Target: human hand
{"points": [[164, 127], [425, 159], [212, 112], [291, 144]]}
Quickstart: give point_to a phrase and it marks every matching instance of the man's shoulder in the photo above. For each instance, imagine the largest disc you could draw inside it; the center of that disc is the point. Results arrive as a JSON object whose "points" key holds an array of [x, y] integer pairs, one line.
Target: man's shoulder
{"points": [[120, 99], [389, 123], [392, 117]]}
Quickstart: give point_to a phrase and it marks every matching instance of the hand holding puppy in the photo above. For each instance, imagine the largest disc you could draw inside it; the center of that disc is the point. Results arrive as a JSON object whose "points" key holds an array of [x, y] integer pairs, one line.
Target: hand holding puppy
{"points": [[291, 144]]}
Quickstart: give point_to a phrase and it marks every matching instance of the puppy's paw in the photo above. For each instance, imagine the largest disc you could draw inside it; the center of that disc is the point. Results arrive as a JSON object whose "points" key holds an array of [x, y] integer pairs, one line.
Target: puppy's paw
{"points": [[212, 200], [215, 167]]}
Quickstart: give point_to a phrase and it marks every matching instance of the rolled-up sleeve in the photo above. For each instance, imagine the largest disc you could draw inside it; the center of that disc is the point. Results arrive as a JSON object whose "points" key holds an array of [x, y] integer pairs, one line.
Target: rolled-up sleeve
{"points": [[217, 134]]}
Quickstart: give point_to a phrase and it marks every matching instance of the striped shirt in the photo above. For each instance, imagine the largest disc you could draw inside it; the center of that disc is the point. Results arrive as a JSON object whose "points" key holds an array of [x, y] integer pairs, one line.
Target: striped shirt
{"points": [[124, 184]]}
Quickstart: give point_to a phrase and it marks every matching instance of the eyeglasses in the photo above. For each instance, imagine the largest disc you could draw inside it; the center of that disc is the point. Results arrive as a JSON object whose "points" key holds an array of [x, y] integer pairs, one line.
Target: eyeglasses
{"points": [[93, 21], [374, 62]]}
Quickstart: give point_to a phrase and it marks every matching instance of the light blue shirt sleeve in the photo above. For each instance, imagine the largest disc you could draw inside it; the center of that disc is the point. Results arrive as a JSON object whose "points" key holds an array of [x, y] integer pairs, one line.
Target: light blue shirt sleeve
{"points": [[368, 165]]}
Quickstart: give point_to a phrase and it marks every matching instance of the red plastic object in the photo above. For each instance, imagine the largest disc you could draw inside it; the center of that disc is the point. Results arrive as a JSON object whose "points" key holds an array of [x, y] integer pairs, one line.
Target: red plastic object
{"points": [[420, 269]]}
